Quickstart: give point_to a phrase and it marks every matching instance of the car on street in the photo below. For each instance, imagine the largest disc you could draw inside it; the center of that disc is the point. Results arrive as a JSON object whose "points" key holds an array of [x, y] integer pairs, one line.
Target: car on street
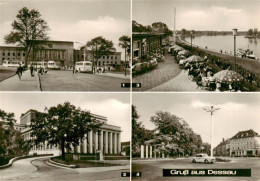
{"points": [[204, 158]]}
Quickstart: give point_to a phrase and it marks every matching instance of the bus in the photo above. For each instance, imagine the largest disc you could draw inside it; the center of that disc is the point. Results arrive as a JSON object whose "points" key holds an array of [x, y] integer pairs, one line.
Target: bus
{"points": [[83, 66], [54, 65], [13, 63], [37, 65]]}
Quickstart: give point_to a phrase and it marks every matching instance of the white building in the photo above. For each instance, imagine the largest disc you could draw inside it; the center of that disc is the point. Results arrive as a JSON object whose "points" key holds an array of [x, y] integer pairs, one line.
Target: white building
{"points": [[245, 143], [107, 139]]}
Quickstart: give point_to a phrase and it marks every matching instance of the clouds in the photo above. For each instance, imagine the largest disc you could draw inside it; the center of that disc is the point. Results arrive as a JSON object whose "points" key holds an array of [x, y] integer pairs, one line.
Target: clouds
{"points": [[85, 29], [215, 18]]}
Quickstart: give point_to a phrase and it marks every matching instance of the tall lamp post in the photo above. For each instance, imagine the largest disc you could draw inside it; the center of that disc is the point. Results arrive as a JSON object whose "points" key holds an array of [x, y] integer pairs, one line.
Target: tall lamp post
{"points": [[211, 110], [235, 34], [191, 38]]}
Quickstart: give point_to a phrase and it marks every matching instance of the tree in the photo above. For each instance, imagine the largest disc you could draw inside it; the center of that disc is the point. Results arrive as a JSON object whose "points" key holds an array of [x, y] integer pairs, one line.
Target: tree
{"points": [[139, 133], [124, 42], [11, 141], [250, 32], [62, 125], [99, 46], [255, 32], [162, 28], [28, 27], [179, 131]]}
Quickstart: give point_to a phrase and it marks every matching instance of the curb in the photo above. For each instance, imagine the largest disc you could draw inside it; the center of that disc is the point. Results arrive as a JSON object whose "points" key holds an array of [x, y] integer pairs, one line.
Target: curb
{"points": [[8, 77], [10, 163], [62, 165]]}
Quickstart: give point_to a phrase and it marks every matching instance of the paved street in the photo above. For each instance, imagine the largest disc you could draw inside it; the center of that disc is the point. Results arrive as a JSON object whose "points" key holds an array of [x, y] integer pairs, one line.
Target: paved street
{"points": [[65, 81], [40, 170], [152, 169]]}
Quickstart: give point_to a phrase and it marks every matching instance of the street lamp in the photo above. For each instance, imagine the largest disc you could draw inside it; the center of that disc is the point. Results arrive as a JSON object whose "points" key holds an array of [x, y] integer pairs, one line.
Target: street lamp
{"points": [[235, 34], [191, 38], [211, 110]]}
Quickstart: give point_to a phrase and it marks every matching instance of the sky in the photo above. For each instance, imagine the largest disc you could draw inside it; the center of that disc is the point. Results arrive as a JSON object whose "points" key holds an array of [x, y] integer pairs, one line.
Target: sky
{"points": [[238, 112], [219, 15], [73, 20], [114, 106]]}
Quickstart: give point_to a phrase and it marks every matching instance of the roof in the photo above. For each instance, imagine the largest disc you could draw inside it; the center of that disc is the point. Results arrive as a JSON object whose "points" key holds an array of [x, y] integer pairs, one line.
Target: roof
{"points": [[146, 34], [245, 134]]}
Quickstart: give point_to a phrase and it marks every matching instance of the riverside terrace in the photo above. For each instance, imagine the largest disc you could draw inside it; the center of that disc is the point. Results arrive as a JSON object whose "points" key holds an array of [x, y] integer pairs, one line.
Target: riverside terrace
{"points": [[247, 69]]}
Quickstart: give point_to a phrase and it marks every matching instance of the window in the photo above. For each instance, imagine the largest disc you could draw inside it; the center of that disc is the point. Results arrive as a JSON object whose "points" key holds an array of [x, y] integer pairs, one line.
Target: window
{"points": [[24, 54], [107, 57], [14, 54], [19, 54], [116, 57], [104, 57], [8, 53], [112, 57], [3, 53]]}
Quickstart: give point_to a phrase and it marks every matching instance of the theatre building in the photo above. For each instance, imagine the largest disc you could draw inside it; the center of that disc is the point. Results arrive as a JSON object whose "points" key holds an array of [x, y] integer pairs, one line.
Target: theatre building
{"points": [[107, 139], [58, 51], [245, 143]]}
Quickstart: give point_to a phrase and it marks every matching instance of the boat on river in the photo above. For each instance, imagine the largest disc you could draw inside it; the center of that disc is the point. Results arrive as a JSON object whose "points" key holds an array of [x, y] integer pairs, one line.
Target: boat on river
{"points": [[246, 53]]}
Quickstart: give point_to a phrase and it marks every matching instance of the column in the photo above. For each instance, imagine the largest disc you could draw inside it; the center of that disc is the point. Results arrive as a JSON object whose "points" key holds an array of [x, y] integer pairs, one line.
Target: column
{"points": [[110, 143], [72, 148], [78, 147], [85, 144], [96, 141], [106, 142], [146, 151], [90, 140], [115, 143], [142, 151], [101, 141], [119, 143], [151, 151], [45, 145]]}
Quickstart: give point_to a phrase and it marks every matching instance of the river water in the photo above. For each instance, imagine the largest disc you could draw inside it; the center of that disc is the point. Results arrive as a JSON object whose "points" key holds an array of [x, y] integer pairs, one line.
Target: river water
{"points": [[226, 43]]}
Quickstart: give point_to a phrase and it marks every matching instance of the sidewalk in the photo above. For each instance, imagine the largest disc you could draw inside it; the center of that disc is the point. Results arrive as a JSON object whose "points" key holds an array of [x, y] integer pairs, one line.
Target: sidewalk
{"points": [[27, 83], [179, 83], [164, 72]]}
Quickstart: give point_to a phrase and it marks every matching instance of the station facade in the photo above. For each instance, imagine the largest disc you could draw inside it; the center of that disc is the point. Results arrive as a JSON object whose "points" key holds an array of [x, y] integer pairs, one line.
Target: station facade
{"points": [[106, 140], [108, 60], [58, 51]]}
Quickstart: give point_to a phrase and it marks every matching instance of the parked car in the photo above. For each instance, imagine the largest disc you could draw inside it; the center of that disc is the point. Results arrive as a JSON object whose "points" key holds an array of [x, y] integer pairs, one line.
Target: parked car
{"points": [[204, 158]]}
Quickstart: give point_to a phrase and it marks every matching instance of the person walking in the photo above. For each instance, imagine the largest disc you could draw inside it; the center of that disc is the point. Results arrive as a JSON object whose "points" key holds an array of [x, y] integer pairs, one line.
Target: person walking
{"points": [[19, 71], [31, 70]]}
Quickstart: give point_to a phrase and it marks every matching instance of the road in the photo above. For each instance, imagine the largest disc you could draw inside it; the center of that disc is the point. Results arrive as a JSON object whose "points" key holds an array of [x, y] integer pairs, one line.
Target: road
{"points": [[152, 169], [39, 169], [66, 81]]}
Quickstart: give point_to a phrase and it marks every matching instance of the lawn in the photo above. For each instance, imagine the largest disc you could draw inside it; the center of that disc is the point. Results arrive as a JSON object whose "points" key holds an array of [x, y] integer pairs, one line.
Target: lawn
{"points": [[84, 163], [6, 73]]}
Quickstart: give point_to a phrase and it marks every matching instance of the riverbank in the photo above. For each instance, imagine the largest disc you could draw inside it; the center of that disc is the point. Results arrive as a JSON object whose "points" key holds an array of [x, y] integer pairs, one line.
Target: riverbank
{"points": [[249, 64]]}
